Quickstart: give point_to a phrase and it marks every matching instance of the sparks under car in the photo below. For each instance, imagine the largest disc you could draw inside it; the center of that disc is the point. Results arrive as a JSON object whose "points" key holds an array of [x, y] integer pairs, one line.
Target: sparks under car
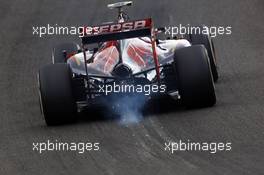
{"points": [[127, 54]]}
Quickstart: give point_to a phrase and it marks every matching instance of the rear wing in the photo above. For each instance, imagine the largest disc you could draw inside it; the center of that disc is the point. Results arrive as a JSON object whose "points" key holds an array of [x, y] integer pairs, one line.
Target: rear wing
{"points": [[119, 31], [116, 31]]}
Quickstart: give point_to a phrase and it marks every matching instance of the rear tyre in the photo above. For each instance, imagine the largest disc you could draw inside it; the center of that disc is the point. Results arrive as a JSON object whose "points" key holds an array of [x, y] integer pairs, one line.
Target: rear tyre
{"points": [[56, 94], [196, 86], [206, 40], [58, 53]]}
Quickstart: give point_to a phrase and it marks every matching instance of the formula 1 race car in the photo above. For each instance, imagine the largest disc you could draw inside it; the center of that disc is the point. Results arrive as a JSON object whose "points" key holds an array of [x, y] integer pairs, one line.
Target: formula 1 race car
{"points": [[126, 58]]}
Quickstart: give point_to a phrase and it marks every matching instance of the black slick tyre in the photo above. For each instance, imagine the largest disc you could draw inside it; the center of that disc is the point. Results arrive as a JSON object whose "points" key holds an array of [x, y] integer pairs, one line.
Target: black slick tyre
{"points": [[56, 94], [196, 86]]}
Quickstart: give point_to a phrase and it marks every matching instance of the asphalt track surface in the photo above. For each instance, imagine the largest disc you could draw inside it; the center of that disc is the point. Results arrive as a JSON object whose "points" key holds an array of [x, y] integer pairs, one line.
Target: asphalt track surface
{"points": [[137, 148]]}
